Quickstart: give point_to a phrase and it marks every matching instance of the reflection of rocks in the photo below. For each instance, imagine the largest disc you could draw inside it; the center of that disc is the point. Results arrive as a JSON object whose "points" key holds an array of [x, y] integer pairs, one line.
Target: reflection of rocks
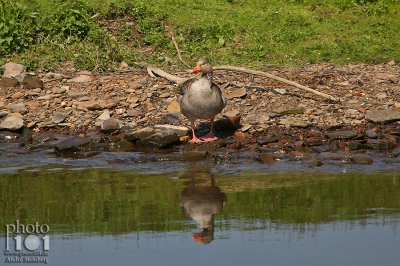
{"points": [[201, 203]]}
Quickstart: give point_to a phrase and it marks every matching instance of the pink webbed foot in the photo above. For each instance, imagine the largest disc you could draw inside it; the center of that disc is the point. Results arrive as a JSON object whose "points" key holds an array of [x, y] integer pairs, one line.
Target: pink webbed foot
{"points": [[209, 137], [196, 140]]}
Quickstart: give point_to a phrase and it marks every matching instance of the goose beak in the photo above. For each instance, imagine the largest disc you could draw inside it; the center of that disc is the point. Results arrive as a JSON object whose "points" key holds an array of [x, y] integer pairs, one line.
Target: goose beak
{"points": [[196, 69]]}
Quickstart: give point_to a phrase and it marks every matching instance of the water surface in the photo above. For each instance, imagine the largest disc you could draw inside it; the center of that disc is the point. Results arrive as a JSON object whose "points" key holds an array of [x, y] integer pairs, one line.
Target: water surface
{"points": [[205, 216]]}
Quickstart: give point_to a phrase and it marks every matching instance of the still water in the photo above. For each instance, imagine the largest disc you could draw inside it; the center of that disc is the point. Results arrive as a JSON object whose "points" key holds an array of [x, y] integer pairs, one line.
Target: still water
{"points": [[198, 216]]}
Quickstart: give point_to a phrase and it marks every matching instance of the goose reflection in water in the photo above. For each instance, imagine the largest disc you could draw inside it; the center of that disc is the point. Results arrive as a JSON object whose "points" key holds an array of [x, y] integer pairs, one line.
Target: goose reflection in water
{"points": [[200, 200]]}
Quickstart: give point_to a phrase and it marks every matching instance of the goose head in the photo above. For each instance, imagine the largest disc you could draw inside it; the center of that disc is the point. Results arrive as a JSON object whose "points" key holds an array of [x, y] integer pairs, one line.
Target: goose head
{"points": [[203, 66]]}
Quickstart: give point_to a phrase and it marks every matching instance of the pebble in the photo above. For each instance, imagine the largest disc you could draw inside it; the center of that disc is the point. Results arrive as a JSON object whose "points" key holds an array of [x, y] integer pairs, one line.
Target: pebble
{"points": [[12, 123]]}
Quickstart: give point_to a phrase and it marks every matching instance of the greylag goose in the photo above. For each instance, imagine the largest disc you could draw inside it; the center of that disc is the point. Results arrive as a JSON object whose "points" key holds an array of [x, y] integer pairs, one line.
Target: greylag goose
{"points": [[201, 99]]}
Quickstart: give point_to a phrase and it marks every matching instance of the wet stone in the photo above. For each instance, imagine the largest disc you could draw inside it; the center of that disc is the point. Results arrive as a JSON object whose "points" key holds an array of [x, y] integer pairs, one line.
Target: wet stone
{"points": [[43, 138], [371, 134], [181, 131], [159, 140], [140, 134], [124, 144], [342, 135], [266, 157], [356, 146], [71, 145], [378, 144], [7, 135], [265, 140], [110, 125], [362, 159]]}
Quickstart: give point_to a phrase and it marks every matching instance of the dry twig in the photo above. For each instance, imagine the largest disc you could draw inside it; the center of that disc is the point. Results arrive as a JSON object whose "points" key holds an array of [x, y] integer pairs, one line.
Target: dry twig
{"points": [[177, 49]]}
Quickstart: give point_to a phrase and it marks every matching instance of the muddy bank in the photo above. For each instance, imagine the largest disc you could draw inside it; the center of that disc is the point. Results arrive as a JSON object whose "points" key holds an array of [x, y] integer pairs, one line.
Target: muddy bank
{"points": [[80, 114]]}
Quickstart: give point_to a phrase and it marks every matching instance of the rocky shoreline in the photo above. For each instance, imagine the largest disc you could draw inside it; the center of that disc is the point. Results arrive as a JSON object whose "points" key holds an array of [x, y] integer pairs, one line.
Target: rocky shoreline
{"points": [[79, 112]]}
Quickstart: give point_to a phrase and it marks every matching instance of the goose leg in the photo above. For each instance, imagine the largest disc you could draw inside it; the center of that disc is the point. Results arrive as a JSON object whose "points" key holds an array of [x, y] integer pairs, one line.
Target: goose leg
{"points": [[210, 136], [194, 138]]}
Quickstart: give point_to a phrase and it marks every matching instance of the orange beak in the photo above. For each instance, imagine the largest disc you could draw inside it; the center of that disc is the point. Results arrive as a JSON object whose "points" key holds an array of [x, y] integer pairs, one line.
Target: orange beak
{"points": [[196, 69]]}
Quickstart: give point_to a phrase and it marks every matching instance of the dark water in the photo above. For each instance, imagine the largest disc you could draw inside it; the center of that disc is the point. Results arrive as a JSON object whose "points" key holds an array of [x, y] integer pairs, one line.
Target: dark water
{"points": [[174, 213]]}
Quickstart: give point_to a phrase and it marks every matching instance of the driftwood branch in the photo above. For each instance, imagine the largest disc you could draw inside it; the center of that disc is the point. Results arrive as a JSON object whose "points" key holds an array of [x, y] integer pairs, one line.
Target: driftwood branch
{"points": [[151, 69], [244, 70]]}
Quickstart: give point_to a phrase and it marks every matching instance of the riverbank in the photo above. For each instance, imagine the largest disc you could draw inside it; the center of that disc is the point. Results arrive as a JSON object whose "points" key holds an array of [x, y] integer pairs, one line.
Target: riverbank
{"points": [[265, 121]]}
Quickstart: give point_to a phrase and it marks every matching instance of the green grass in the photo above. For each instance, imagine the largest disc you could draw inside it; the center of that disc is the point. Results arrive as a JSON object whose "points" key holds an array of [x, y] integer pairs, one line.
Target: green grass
{"points": [[253, 33]]}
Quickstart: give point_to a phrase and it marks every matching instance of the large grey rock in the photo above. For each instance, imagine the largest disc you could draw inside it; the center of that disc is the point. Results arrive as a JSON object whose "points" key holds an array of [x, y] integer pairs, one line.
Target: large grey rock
{"points": [[159, 140], [14, 71], [140, 134], [12, 123], [382, 116], [181, 131], [17, 108], [72, 144]]}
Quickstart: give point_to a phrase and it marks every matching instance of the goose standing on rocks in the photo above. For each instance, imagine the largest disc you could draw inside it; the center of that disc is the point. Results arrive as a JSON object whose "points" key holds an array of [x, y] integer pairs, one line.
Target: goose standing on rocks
{"points": [[201, 99]]}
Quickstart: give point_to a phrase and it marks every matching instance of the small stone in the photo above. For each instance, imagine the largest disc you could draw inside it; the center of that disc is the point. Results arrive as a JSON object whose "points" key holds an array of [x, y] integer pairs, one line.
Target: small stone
{"points": [[371, 134], [265, 140], [266, 157], [89, 105], [379, 144], [58, 117], [165, 95], [110, 125], [342, 135], [105, 115], [12, 123], [76, 94], [17, 108], [294, 122], [174, 107], [362, 159], [6, 82], [3, 114], [31, 82], [237, 93], [57, 90], [18, 95], [355, 146], [80, 79], [134, 85], [133, 113], [231, 113]]}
